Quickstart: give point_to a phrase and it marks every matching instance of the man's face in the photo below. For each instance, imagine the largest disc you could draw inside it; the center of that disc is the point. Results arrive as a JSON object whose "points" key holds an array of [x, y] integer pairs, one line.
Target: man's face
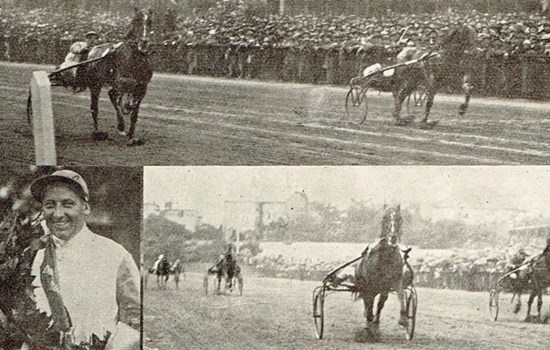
{"points": [[64, 211], [92, 41]]}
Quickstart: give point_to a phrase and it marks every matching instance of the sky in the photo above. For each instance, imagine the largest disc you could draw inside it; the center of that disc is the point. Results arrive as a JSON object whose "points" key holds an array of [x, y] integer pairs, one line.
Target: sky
{"points": [[205, 189]]}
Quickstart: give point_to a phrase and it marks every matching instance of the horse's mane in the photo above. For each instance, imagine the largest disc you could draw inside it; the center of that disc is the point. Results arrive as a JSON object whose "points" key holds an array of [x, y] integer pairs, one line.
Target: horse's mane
{"points": [[139, 15], [461, 38]]}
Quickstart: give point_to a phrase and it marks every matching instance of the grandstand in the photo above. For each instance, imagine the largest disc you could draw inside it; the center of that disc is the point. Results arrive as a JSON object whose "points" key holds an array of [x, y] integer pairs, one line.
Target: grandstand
{"points": [[534, 236]]}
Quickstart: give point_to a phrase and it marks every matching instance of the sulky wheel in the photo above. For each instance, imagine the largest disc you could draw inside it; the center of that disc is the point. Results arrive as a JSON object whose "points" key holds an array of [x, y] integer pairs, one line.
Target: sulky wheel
{"points": [[356, 105], [318, 311], [493, 303], [412, 301]]}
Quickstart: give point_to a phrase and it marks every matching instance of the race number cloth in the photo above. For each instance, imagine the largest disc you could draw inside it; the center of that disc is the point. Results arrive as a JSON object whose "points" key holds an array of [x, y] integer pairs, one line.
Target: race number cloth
{"points": [[98, 280]]}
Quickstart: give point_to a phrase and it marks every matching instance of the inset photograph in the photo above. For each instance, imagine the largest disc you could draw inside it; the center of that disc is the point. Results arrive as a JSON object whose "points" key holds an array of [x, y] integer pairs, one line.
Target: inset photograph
{"points": [[69, 253], [336, 257]]}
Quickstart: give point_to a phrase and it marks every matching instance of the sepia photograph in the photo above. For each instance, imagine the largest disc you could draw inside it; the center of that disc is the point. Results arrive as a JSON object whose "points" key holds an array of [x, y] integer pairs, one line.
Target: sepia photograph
{"points": [[274, 174], [69, 257], [274, 82], [339, 257]]}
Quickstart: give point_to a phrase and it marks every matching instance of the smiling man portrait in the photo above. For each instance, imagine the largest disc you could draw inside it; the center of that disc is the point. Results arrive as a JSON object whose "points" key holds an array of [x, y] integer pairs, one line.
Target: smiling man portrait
{"points": [[87, 282]]}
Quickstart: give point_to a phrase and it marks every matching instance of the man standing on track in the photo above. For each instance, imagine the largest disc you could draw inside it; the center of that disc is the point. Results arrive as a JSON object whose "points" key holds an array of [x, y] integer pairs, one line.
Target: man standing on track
{"points": [[87, 283]]}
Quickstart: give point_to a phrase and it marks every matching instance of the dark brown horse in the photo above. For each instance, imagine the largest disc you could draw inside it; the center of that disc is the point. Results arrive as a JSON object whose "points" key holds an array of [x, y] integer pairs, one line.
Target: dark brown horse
{"points": [[125, 68], [226, 268], [380, 271], [535, 278], [451, 63]]}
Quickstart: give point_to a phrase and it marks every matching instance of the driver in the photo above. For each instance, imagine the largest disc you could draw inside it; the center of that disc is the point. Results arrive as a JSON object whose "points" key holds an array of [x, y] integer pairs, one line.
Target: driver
{"points": [[229, 259], [78, 52]]}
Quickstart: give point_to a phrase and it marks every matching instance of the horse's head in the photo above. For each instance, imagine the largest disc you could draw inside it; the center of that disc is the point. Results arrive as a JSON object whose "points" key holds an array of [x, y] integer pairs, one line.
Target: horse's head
{"points": [[391, 224], [141, 28], [459, 40]]}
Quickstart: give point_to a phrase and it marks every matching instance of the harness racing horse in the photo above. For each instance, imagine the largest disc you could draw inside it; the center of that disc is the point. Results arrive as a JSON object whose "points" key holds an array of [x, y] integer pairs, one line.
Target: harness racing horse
{"points": [[125, 68], [537, 279], [163, 273], [452, 62], [226, 267], [177, 269], [380, 271]]}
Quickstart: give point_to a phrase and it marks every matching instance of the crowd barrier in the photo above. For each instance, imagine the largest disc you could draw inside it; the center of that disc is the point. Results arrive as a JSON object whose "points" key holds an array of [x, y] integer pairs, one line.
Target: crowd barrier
{"points": [[467, 281], [522, 76]]}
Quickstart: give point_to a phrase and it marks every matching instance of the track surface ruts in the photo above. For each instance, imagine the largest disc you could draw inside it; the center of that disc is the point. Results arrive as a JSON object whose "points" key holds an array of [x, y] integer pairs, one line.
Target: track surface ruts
{"points": [[187, 120], [277, 314]]}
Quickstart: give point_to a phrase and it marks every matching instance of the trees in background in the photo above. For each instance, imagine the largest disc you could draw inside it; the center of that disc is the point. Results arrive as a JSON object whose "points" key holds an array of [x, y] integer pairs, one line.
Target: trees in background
{"points": [[362, 223]]}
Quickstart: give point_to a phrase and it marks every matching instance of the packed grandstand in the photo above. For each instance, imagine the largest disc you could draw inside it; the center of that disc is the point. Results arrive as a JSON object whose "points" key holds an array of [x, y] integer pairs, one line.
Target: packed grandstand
{"points": [[509, 59], [473, 270]]}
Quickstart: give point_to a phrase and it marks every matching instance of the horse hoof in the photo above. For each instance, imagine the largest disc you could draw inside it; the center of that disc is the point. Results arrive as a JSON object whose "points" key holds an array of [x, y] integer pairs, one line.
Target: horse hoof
{"points": [[405, 121], [366, 335], [135, 142], [428, 125], [122, 133], [100, 135]]}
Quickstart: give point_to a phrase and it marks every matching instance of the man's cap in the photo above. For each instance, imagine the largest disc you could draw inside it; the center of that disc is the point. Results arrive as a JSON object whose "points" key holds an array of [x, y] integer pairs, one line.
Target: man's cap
{"points": [[91, 34], [67, 177]]}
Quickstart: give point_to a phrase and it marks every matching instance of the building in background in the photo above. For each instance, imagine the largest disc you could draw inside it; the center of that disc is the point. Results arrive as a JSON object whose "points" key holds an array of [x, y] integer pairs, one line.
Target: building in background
{"points": [[533, 237], [175, 212]]}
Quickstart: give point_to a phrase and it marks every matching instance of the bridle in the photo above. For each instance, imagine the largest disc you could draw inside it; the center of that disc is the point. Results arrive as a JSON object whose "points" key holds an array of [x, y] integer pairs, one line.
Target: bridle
{"points": [[391, 225], [141, 28]]}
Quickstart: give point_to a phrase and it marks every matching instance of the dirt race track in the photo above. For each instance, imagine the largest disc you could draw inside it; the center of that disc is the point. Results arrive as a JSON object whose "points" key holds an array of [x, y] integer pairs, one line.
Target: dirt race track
{"points": [[188, 120], [276, 314]]}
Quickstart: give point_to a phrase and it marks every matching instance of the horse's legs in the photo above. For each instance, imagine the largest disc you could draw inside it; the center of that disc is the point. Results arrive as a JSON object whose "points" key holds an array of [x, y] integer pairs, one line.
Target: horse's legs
{"points": [[368, 301], [95, 91], [517, 306], [399, 97], [113, 96], [539, 304], [381, 301], [467, 89], [219, 276], [139, 95], [430, 96], [529, 303]]}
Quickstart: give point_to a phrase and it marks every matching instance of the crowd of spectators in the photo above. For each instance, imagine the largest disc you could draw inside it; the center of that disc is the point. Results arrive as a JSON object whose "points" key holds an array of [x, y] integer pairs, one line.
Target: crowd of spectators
{"points": [[460, 270], [318, 49]]}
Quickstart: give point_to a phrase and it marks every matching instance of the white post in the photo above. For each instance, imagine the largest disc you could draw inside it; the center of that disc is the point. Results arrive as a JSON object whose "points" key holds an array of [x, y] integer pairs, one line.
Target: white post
{"points": [[42, 119], [281, 7]]}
